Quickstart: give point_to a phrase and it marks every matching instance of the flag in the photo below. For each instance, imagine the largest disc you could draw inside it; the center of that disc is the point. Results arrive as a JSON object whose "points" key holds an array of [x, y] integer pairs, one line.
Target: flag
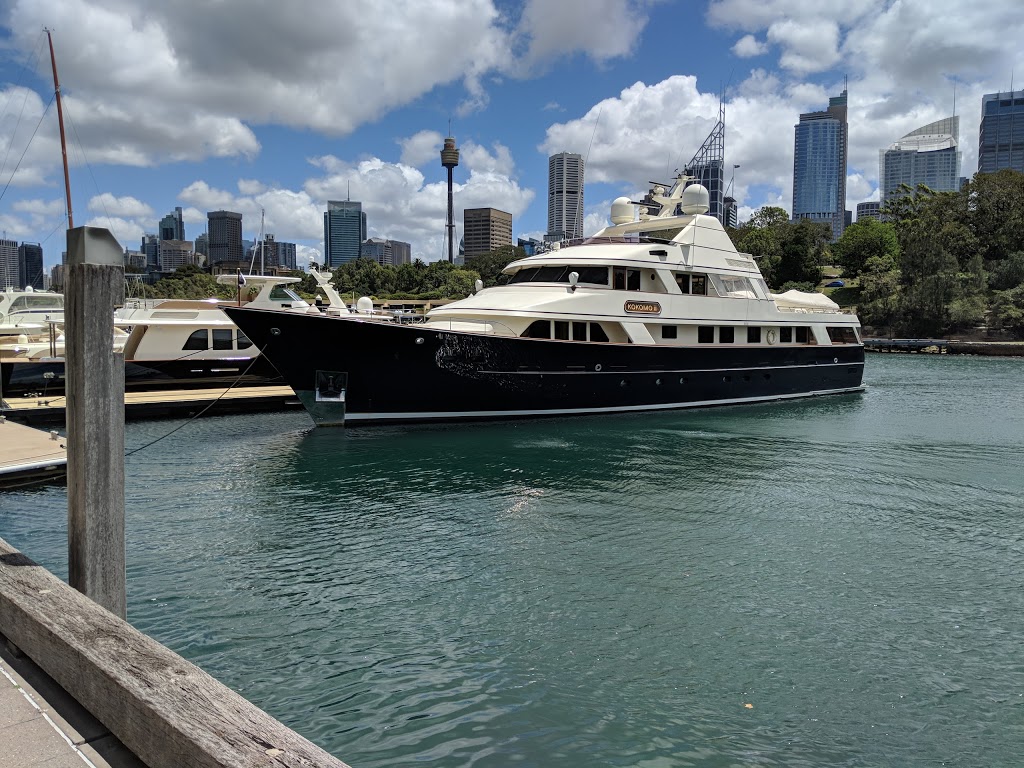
{"points": [[241, 279]]}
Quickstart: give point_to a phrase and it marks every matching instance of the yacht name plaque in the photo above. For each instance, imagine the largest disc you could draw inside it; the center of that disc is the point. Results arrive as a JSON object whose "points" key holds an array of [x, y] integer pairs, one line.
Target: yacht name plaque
{"points": [[642, 307]]}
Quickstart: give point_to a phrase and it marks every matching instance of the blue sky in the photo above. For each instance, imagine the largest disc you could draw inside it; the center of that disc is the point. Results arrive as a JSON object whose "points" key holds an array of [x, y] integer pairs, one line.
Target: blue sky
{"points": [[250, 104]]}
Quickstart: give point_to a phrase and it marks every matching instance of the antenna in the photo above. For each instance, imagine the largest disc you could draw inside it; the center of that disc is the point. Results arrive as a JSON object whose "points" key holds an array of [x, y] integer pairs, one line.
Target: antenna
{"points": [[349, 193]]}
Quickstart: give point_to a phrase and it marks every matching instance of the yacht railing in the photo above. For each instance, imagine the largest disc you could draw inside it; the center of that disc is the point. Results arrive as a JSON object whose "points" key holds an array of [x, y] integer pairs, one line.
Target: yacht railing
{"points": [[812, 310]]}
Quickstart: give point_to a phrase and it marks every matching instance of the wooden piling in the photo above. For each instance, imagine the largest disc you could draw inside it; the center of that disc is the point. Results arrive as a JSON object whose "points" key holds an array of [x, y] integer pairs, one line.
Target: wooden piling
{"points": [[95, 418]]}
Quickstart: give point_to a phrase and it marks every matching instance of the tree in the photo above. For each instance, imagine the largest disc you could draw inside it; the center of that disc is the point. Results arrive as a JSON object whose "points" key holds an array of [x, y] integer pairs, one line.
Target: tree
{"points": [[802, 246], [490, 264], [865, 240]]}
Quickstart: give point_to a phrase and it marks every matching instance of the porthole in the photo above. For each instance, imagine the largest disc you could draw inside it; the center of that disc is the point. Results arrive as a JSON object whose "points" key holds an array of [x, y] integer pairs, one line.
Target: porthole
{"points": [[597, 367], [657, 382], [835, 359], [622, 383]]}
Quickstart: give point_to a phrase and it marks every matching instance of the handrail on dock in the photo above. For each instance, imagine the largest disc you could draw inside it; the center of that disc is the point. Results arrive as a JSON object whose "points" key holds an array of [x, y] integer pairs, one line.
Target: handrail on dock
{"points": [[163, 708]]}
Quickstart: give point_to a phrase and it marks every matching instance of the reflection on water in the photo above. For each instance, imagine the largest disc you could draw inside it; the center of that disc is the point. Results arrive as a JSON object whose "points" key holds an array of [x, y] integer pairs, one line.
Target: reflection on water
{"points": [[603, 590]]}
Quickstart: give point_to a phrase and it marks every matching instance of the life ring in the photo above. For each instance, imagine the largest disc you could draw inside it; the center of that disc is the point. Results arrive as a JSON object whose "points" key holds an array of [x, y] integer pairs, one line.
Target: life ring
{"points": [[771, 337]]}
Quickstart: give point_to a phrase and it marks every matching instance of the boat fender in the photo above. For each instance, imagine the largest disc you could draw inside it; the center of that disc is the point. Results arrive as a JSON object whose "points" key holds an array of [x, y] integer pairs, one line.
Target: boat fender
{"points": [[597, 367], [771, 337]]}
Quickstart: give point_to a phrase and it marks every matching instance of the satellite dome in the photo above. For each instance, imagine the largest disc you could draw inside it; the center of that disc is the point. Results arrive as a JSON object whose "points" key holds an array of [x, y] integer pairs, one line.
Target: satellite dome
{"points": [[622, 210], [695, 200], [364, 305]]}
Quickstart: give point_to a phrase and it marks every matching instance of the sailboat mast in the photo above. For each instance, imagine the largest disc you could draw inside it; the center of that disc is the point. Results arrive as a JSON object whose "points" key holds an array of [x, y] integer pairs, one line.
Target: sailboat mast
{"points": [[63, 141]]}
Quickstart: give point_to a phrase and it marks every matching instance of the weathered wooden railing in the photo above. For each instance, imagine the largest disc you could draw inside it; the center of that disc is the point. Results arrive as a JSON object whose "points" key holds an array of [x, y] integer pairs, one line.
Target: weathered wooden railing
{"points": [[163, 708]]}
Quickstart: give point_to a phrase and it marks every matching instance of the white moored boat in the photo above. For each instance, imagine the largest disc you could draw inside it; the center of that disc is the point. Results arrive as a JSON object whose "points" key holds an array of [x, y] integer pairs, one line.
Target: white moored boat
{"points": [[655, 312]]}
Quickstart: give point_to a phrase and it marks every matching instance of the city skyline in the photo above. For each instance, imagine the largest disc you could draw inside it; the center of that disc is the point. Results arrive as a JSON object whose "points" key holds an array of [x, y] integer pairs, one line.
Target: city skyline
{"points": [[167, 119]]}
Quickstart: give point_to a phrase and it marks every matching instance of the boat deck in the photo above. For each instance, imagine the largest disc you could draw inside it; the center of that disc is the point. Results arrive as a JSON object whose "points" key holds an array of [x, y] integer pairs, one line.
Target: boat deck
{"points": [[29, 455], [155, 404]]}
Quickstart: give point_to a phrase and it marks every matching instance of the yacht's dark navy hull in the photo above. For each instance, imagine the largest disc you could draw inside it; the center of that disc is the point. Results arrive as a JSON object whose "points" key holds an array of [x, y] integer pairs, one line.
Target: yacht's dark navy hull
{"points": [[23, 377], [373, 372]]}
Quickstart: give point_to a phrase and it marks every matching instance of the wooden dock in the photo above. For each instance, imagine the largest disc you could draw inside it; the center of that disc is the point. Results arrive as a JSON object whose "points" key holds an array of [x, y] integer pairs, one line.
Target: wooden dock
{"points": [[947, 347], [29, 455], [159, 404]]}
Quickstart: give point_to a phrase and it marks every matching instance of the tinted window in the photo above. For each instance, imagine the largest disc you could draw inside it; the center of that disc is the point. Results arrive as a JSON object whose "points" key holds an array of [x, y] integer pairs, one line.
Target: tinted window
{"points": [[562, 330], [539, 329], [683, 281], [753, 335], [551, 275], [706, 334], [726, 334], [699, 285], [801, 334], [841, 334], [243, 341], [198, 340], [785, 335], [524, 275], [595, 275], [597, 332], [633, 280], [222, 338], [579, 331], [619, 273], [669, 332]]}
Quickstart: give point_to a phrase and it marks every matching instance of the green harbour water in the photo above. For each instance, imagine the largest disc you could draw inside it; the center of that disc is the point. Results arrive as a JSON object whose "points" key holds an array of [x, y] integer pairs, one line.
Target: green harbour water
{"points": [[835, 581]]}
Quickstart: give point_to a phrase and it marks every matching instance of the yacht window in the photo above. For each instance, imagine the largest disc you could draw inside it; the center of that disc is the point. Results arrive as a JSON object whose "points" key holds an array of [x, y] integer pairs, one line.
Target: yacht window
{"points": [[801, 334], [551, 275], [726, 334], [562, 330], [523, 276], [280, 293], [733, 287], [619, 274], [539, 329], [669, 332], [841, 334], [705, 334], [753, 334], [199, 340], [632, 279], [785, 335], [699, 285], [683, 281], [243, 341], [597, 332], [579, 331], [593, 275], [222, 338], [37, 303]]}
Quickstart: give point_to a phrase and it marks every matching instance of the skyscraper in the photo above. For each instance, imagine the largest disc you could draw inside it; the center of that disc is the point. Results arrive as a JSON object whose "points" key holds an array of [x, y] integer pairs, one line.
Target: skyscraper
{"points": [[344, 231], [708, 168], [1001, 140], [819, 165], [928, 155], [9, 277], [172, 226], [387, 252], [565, 196], [225, 238], [869, 210], [30, 265], [485, 229]]}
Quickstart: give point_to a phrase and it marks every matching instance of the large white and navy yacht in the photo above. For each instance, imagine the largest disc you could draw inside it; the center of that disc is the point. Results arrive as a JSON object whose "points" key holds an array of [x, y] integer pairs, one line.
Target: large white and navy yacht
{"points": [[654, 312]]}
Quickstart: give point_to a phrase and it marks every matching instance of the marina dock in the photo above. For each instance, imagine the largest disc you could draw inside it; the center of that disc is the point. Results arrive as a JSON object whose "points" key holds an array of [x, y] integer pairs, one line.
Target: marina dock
{"points": [[947, 347], [29, 455], [159, 404]]}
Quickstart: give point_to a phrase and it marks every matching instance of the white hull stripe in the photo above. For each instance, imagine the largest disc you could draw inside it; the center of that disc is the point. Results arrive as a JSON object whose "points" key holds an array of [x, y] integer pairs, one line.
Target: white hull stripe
{"points": [[662, 372], [423, 415]]}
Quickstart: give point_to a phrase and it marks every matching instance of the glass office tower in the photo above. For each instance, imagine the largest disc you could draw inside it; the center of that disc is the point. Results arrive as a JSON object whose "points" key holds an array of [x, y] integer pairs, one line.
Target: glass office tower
{"points": [[819, 165]]}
